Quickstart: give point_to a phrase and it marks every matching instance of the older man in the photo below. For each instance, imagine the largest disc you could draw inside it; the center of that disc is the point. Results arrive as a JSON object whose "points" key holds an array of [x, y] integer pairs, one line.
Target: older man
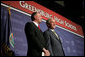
{"points": [[53, 41]]}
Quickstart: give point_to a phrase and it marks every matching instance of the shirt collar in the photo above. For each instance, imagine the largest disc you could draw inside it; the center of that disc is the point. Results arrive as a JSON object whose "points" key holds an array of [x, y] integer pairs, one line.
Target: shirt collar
{"points": [[35, 23], [52, 29]]}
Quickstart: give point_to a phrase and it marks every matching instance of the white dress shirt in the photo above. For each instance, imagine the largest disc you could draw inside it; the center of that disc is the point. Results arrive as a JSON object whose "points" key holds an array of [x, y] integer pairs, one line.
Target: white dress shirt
{"points": [[35, 23]]}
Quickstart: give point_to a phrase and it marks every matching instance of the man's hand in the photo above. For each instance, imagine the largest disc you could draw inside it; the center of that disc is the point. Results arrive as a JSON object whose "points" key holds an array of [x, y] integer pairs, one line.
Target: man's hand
{"points": [[46, 52]]}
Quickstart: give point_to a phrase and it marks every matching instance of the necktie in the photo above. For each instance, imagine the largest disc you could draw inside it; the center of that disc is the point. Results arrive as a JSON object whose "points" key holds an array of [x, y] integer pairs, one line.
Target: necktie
{"points": [[38, 26], [56, 34]]}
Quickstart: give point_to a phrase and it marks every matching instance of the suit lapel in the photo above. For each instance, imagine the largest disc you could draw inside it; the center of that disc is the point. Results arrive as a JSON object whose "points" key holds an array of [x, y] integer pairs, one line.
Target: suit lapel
{"points": [[35, 27], [53, 34], [38, 32]]}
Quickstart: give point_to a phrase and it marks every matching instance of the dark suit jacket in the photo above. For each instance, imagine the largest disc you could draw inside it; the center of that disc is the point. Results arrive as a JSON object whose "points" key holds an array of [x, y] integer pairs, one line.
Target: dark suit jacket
{"points": [[35, 39], [53, 44]]}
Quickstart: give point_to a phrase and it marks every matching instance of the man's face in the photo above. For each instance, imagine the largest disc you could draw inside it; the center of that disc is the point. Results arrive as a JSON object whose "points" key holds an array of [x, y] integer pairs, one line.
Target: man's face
{"points": [[52, 24], [38, 17]]}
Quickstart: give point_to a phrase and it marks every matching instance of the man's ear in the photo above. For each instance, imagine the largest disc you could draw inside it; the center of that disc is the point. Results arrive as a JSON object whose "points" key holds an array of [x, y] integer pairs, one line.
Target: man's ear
{"points": [[35, 16]]}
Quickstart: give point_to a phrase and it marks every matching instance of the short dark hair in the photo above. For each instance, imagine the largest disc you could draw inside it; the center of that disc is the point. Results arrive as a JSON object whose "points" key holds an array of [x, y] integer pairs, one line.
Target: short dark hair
{"points": [[32, 16], [48, 22]]}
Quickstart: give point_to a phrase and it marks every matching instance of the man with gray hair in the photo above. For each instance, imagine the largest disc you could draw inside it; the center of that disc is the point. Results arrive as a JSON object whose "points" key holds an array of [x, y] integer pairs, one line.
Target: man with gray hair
{"points": [[54, 44]]}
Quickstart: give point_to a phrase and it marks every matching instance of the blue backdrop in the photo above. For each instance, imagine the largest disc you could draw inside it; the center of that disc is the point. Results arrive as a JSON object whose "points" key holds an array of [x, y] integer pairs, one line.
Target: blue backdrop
{"points": [[73, 45]]}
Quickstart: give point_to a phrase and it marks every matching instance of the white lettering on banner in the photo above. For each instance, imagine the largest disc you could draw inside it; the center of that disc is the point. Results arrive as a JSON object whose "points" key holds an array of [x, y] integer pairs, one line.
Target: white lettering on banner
{"points": [[70, 26], [34, 9], [59, 20], [45, 14]]}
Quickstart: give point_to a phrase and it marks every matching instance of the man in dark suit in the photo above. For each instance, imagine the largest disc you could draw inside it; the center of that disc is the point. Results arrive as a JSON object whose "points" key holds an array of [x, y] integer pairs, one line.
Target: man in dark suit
{"points": [[54, 44], [35, 39]]}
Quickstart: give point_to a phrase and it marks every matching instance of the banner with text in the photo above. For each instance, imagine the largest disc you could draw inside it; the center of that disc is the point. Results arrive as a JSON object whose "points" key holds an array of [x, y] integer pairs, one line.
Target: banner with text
{"points": [[31, 6]]}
